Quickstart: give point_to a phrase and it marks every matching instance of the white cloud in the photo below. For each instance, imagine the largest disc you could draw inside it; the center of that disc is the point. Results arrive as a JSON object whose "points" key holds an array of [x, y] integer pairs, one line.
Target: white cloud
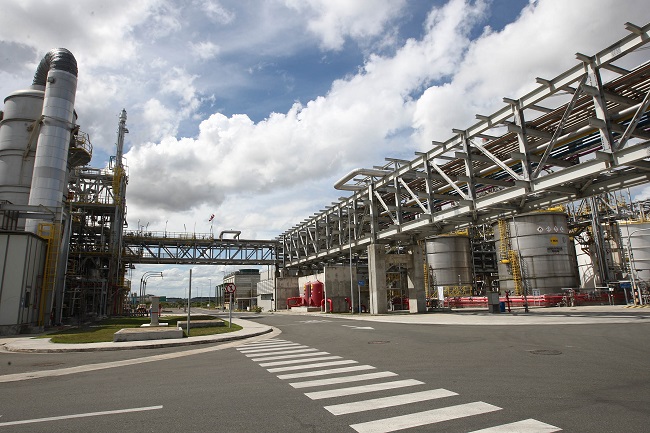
{"points": [[541, 43], [335, 20], [205, 50], [217, 13]]}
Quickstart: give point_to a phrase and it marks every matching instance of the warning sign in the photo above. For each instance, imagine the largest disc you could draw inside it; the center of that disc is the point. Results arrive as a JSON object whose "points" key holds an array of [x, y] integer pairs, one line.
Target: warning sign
{"points": [[554, 240]]}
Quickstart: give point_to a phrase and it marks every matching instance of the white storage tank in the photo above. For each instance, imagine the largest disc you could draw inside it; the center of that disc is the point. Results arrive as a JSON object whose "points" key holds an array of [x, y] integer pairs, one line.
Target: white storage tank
{"points": [[449, 258], [19, 131], [546, 261], [636, 238]]}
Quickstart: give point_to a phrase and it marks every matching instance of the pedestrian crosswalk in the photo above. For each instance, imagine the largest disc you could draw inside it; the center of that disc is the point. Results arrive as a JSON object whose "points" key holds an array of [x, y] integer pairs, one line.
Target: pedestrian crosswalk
{"points": [[325, 376]]}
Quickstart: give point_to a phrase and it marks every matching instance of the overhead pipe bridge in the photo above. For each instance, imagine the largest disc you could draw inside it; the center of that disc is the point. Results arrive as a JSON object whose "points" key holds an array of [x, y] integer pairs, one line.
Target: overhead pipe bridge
{"points": [[581, 133]]}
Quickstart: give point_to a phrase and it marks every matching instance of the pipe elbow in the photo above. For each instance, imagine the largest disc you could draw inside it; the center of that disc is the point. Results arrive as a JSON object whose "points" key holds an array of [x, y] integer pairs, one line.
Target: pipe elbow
{"points": [[58, 58]]}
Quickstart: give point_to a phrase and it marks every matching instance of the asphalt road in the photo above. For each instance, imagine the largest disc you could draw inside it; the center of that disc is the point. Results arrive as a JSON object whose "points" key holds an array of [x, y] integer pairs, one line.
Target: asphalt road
{"points": [[578, 378]]}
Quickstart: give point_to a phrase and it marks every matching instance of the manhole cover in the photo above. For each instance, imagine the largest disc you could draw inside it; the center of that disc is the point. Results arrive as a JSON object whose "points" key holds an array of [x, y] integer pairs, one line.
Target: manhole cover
{"points": [[47, 364], [379, 342], [545, 352]]}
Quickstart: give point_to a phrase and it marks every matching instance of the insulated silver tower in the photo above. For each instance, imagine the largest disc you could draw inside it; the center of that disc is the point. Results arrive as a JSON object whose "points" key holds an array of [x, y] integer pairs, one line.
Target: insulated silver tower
{"points": [[58, 73]]}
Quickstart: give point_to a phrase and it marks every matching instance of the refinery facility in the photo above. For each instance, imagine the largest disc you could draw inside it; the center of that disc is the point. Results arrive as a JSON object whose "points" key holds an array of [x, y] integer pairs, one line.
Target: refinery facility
{"points": [[533, 205]]}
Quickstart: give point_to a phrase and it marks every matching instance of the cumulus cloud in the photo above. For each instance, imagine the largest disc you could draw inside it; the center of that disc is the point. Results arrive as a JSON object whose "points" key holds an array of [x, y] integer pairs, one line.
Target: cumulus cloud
{"points": [[332, 21]]}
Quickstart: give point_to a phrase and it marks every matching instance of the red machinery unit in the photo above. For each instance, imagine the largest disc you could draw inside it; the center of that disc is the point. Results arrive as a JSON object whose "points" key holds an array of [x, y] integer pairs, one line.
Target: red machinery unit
{"points": [[317, 289]]}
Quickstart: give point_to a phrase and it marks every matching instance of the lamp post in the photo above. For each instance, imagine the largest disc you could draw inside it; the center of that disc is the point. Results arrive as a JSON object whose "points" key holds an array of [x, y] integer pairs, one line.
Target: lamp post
{"points": [[143, 282], [632, 262]]}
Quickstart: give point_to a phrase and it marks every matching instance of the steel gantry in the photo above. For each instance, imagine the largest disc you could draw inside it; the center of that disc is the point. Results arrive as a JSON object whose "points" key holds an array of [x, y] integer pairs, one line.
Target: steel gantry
{"points": [[193, 248], [581, 133]]}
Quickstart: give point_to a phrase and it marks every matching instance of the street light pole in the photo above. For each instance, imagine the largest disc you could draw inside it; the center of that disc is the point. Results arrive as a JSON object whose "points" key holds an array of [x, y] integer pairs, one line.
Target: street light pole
{"points": [[143, 282]]}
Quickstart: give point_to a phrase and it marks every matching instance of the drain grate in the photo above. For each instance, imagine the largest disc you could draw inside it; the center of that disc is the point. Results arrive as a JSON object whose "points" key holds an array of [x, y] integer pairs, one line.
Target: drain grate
{"points": [[379, 342], [545, 352]]}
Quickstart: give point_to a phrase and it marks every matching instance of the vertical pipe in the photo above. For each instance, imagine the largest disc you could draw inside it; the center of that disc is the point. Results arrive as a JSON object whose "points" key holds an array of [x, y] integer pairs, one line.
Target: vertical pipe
{"points": [[58, 72]]}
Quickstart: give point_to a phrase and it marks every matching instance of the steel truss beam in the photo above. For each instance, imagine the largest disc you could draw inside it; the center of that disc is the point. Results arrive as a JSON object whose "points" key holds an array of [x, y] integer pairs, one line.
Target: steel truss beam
{"points": [[535, 151], [163, 248]]}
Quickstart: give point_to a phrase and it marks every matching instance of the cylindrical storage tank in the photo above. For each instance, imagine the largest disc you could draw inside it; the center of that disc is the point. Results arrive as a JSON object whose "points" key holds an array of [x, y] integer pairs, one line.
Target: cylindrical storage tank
{"points": [[636, 238], [316, 293], [306, 293], [539, 243], [449, 258], [19, 130]]}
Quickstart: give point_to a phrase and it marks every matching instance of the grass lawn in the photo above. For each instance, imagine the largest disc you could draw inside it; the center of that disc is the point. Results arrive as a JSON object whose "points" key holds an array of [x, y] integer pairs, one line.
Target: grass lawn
{"points": [[103, 331]]}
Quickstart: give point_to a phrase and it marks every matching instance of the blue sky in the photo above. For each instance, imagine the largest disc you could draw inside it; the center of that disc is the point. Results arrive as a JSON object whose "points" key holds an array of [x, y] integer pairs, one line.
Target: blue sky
{"points": [[251, 110]]}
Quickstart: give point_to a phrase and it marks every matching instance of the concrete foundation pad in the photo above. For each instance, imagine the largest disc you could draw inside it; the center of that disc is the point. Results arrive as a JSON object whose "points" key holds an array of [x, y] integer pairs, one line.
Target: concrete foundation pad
{"points": [[151, 333], [305, 309]]}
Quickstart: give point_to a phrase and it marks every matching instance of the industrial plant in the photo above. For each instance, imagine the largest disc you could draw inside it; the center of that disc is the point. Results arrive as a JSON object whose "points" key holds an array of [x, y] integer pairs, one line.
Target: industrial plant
{"points": [[533, 205]]}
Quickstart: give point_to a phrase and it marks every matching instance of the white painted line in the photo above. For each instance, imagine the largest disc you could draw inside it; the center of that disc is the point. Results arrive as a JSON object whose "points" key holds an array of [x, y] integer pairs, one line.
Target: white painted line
{"points": [[250, 355], [112, 364], [526, 426], [423, 418], [316, 365], [318, 395], [324, 372], [298, 361], [80, 415], [263, 345], [273, 349], [269, 341], [395, 400], [343, 379], [301, 355]]}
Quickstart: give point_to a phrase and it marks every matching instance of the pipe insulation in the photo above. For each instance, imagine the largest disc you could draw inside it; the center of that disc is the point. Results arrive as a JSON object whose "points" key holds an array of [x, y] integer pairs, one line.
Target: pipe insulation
{"points": [[58, 72]]}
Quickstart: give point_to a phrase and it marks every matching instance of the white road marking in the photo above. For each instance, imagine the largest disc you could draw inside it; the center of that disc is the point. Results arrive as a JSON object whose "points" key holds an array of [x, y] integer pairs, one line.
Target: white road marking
{"points": [[318, 395], [526, 426], [395, 400], [273, 349], [344, 379], [113, 364], [298, 361], [300, 355], [316, 365], [324, 372], [358, 327], [250, 355], [80, 415], [262, 345], [423, 418]]}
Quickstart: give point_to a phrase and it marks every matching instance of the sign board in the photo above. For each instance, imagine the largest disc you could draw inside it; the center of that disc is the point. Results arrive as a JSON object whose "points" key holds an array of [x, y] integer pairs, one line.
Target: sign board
{"points": [[230, 288], [361, 283]]}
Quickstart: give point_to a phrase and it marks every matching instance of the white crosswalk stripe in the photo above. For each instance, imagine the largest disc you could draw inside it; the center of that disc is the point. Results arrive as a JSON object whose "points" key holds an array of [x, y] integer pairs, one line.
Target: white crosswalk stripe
{"points": [[526, 426], [292, 351], [383, 402], [423, 418], [342, 379], [325, 372], [285, 356], [291, 356], [299, 361], [274, 349], [340, 392], [262, 346], [315, 365]]}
